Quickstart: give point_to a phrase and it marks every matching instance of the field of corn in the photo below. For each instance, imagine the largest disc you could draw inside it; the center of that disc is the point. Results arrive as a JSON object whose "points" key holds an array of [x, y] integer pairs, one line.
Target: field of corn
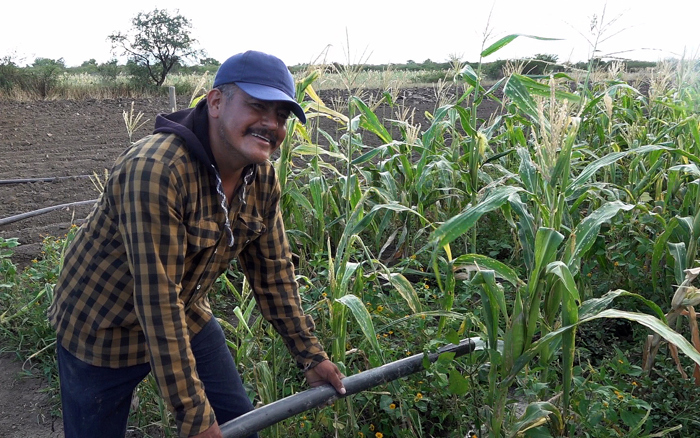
{"points": [[560, 230]]}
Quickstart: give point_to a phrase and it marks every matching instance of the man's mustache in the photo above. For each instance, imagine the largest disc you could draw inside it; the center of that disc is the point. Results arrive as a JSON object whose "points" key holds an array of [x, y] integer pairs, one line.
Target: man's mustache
{"points": [[264, 133]]}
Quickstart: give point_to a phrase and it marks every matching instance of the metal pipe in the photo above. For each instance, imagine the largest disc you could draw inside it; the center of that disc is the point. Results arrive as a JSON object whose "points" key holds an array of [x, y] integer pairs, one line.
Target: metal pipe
{"points": [[275, 412]]}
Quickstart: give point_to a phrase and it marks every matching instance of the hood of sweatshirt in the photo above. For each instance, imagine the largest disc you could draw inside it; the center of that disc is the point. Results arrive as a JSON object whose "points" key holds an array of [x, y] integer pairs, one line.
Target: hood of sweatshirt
{"points": [[192, 125]]}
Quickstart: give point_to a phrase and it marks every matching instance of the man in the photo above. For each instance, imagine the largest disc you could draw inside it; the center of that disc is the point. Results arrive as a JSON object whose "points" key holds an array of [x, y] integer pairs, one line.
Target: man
{"points": [[178, 206]]}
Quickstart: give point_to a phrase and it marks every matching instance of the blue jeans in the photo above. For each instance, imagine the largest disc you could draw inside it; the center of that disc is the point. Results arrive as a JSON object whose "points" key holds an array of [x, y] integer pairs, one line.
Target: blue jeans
{"points": [[96, 400]]}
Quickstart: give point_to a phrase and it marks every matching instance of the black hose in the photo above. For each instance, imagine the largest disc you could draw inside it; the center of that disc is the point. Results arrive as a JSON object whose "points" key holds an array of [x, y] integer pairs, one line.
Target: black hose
{"points": [[18, 217], [272, 413], [47, 179]]}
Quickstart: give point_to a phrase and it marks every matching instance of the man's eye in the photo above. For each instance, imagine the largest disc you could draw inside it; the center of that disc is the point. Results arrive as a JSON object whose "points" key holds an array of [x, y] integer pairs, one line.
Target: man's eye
{"points": [[283, 115]]}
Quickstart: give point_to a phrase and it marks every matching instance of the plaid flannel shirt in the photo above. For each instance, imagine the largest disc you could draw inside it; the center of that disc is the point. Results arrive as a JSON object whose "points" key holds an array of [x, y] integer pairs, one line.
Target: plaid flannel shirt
{"points": [[134, 281]]}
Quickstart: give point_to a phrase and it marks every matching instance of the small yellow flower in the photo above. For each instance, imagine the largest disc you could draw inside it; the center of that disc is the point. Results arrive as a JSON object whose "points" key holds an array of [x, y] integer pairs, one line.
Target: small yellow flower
{"points": [[408, 353], [371, 427], [301, 425], [304, 418], [391, 332], [369, 304], [621, 361], [620, 397], [360, 434], [379, 435], [634, 383], [385, 335], [421, 269], [590, 274], [392, 406], [422, 317], [324, 295], [605, 404], [426, 286], [380, 308], [413, 257], [420, 382], [418, 397]]}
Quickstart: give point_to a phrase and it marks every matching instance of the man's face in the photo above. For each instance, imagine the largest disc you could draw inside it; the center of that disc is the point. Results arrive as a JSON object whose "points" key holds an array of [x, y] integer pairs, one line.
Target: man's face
{"points": [[250, 130]]}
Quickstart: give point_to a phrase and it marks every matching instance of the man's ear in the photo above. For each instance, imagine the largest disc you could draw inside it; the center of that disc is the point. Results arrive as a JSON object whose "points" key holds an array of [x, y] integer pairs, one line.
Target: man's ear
{"points": [[214, 102]]}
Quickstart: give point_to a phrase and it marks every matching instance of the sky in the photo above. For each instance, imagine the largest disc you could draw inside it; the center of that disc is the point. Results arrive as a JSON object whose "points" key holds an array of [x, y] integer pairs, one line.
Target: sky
{"points": [[365, 31]]}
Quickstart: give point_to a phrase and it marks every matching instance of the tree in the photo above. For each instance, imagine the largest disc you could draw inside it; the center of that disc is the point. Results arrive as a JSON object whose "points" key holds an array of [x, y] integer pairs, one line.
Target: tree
{"points": [[156, 42], [44, 73]]}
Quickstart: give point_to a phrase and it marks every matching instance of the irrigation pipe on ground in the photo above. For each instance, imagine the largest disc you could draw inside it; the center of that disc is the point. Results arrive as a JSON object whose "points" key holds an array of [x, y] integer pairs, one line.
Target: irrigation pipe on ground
{"points": [[47, 179], [272, 413], [18, 217]]}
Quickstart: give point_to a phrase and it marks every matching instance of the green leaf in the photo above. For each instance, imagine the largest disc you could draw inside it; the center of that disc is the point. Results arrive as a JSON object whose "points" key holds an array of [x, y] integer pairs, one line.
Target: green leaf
{"points": [[679, 254], [594, 306], [520, 96], [458, 384], [490, 304], [611, 158], [460, 224], [534, 413], [370, 121], [406, 290], [586, 232], [507, 40], [364, 320], [479, 262], [646, 320], [537, 88]]}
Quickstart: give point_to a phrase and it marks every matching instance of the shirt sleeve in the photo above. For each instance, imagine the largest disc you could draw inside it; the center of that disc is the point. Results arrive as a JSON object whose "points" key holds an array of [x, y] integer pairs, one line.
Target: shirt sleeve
{"points": [[150, 220], [267, 263]]}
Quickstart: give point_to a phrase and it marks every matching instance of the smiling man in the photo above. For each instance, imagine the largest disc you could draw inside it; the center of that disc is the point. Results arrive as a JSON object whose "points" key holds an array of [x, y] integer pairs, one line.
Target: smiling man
{"points": [[178, 206]]}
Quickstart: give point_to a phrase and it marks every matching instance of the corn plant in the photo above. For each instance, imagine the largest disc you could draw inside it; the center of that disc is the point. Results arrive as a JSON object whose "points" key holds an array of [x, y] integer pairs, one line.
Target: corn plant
{"points": [[554, 233]]}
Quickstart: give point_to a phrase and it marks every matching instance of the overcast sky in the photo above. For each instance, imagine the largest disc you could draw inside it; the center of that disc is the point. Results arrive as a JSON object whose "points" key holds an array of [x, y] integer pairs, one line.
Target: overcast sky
{"points": [[378, 31]]}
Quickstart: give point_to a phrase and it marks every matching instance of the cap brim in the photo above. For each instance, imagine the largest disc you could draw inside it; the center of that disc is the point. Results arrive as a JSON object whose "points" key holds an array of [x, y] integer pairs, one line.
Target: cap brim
{"points": [[263, 92]]}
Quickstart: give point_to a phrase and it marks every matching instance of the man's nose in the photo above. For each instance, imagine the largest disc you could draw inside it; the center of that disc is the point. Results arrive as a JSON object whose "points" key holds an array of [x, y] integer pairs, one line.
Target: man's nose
{"points": [[269, 118]]}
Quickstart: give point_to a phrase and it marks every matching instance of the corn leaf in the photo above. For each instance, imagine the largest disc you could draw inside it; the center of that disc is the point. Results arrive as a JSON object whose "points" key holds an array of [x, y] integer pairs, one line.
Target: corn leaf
{"points": [[587, 230], [370, 121], [364, 321], [478, 261], [507, 40], [520, 96], [406, 290], [596, 305], [460, 224], [537, 414], [648, 321], [536, 88], [489, 294]]}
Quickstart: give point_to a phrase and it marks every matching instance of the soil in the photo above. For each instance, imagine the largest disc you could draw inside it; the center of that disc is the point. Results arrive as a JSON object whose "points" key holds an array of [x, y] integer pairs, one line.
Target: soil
{"points": [[71, 140]]}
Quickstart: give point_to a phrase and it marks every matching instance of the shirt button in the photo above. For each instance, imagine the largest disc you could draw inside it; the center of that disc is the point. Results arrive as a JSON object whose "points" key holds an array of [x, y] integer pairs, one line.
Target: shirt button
{"points": [[199, 286], [247, 242]]}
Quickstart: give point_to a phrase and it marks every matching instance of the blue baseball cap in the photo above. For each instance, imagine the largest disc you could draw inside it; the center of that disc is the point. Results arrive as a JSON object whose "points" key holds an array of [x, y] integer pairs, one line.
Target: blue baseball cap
{"points": [[262, 76]]}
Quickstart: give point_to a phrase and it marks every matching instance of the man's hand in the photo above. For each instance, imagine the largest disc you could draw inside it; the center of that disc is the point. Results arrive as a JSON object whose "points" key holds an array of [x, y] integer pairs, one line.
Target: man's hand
{"points": [[325, 372], [212, 432]]}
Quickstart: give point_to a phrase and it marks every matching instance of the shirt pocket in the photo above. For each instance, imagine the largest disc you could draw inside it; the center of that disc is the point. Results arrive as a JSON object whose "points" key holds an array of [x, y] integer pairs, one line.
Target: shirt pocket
{"points": [[202, 235], [248, 228]]}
